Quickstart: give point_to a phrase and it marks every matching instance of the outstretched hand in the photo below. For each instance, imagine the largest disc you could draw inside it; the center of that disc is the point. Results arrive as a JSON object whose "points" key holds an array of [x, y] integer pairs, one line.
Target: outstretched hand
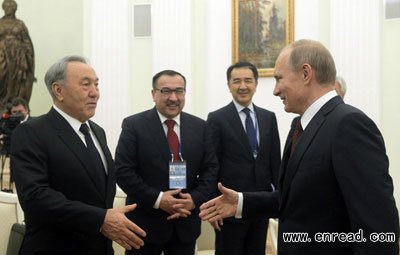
{"points": [[220, 207], [119, 228]]}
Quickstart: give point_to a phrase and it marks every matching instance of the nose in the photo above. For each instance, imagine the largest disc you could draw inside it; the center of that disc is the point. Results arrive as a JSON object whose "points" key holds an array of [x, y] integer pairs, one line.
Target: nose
{"points": [[173, 96], [276, 90], [94, 91], [243, 85]]}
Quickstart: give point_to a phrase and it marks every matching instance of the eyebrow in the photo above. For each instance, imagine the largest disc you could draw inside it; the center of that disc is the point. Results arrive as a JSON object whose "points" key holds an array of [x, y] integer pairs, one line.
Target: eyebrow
{"points": [[245, 78], [89, 79]]}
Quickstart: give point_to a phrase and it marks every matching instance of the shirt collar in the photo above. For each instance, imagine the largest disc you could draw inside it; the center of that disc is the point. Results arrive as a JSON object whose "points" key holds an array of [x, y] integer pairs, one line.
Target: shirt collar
{"points": [[315, 107], [74, 123], [177, 118], [240, 107], [26, 118]]}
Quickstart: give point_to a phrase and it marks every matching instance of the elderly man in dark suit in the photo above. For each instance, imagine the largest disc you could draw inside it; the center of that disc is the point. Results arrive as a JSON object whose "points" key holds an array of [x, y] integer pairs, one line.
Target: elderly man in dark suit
{"points": [[246, 140], [336, 193], [64, 172], [165, 163]]}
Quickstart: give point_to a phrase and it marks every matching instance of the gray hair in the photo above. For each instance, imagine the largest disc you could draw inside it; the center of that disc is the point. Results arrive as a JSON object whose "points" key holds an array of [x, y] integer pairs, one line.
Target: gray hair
{"points": [[342, 84], [317, 56], [56, 73]]}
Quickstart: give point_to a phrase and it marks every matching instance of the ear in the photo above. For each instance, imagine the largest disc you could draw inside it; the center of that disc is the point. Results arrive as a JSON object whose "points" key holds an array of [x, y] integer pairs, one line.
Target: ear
{"points": [[307, 72], [57, 91], [153, 94]]}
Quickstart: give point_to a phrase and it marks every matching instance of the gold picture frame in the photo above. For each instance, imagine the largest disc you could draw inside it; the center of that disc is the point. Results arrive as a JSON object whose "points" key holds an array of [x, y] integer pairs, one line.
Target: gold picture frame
{"points": [[260, 29]]}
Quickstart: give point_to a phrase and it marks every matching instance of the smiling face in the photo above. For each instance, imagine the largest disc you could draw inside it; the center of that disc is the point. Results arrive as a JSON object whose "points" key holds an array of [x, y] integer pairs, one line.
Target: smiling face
{"points": [[242, 85], [289, 85], [169, 105], [79, 93]]}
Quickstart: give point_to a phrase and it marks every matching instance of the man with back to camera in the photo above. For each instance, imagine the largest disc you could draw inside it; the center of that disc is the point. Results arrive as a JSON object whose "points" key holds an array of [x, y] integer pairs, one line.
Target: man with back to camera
{"points": [[64, 172], [246, 141], [334, 174], [165, 164]]}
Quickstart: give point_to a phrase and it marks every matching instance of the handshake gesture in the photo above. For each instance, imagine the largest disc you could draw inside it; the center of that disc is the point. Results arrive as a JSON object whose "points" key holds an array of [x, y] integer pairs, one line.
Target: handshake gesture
{"points": [[221, 207], [119, 228]]}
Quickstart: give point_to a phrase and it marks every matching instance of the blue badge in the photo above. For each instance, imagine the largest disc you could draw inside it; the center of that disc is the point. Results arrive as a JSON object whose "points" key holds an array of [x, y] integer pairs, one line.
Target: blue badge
{"points": [[177, 175]]}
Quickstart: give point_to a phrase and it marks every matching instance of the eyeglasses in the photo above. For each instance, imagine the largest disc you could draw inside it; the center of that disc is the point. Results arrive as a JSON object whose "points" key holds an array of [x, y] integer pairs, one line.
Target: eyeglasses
{"points": [[168, 91]]}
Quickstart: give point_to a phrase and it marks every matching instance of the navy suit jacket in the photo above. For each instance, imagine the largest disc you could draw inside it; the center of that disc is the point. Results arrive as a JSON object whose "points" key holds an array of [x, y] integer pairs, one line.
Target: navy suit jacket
{"points": [[64, 206], [239, 170], [335, 181], [142, 161]]}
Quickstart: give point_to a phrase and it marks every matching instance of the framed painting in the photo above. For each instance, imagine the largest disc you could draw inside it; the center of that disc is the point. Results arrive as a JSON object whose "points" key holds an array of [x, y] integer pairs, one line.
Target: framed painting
{"points": [[260, 29]]}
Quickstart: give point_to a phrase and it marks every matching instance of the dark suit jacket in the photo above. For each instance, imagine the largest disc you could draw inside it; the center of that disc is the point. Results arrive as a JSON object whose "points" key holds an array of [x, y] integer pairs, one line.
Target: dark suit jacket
{"points": [[64, 207], [336, 181], [238, 168], [142, 158]]}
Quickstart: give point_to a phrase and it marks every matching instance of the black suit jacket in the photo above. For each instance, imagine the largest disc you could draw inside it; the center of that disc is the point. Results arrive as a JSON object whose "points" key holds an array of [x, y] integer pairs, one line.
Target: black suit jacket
{"points": [[64, 207], [336, 181], [142, 161], [238, 168]]}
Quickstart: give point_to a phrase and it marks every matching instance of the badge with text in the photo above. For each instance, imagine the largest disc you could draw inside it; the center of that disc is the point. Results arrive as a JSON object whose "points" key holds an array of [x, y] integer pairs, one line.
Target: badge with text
{"points": [[177, 175]]}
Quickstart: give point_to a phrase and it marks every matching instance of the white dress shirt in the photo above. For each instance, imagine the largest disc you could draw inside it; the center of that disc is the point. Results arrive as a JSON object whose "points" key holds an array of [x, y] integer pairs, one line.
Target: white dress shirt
{"points": [[76, 124], [177, 129]]}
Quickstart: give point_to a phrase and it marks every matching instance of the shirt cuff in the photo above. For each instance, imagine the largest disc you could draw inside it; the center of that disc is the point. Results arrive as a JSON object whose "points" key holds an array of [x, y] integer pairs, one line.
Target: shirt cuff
{"points": [[239, 208], [157, 203]]}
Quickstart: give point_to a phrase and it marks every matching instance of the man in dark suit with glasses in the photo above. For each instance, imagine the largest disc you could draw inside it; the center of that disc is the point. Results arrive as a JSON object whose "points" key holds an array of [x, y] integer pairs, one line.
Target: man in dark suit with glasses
{"points": [[166, 165]]}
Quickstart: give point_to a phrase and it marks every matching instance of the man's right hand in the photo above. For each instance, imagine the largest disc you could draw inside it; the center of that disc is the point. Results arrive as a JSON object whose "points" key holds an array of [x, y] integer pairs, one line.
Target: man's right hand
{"points": [[119, 228], [220, 207]]}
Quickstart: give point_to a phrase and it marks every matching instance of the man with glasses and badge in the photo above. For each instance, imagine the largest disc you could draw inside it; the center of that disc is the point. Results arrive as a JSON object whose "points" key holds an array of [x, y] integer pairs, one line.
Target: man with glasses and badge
{"points": [[165, 163]]}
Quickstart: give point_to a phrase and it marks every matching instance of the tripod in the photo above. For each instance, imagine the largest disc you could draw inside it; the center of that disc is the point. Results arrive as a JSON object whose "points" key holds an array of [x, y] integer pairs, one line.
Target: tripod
{"points": [[5, 164]]}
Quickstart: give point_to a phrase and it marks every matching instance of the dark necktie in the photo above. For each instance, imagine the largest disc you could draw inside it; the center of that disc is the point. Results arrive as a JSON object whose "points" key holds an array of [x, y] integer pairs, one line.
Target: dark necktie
{"points": [[251, 131], [95, 157], [172, 138], [298, 130]]}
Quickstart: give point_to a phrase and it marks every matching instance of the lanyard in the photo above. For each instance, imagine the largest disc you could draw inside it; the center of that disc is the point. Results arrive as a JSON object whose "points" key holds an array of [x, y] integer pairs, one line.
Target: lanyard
{"points": [[255, 137], [180, 152]]}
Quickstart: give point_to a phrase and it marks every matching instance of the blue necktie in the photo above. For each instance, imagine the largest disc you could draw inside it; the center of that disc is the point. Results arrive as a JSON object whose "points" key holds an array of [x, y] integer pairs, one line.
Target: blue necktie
{"points": [[251, 131]]}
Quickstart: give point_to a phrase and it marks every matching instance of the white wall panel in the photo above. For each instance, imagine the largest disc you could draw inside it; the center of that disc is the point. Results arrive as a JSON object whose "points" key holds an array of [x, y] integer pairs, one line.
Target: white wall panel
{"points": [[355, 45], [172, 39], [109, 57]]}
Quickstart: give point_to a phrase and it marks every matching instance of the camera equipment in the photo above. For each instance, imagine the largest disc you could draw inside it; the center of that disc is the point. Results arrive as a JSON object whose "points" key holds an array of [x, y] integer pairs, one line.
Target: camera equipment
{"points": [[7, 125]]}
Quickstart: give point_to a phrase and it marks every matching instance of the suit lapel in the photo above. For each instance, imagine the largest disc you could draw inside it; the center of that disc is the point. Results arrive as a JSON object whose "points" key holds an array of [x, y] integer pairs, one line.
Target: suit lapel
{"points": [[263, 129], [303, 143], [264, 148], [69, 137], [187, 131], [157, 131], [109, 161], [286, 153], [237, 127]]}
